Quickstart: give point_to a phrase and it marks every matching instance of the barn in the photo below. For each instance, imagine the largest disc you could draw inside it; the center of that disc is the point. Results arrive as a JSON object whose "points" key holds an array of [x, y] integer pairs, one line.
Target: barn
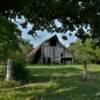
{"points": [[49, 52]]}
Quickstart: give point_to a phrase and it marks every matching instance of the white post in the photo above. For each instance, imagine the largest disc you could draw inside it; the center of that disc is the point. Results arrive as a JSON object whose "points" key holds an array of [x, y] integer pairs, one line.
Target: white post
{"points": [[9, 70]]}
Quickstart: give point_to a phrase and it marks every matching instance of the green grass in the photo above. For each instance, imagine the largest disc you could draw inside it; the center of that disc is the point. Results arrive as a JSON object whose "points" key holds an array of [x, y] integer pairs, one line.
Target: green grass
{"points": [[57, 82]]}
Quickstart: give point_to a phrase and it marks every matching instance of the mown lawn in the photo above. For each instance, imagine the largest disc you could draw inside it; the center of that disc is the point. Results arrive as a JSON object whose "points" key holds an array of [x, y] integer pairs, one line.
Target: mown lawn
{"points": [[57, 82]]}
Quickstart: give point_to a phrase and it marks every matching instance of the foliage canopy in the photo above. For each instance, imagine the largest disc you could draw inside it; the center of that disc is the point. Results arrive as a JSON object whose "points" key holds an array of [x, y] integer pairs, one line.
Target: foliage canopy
{"points": [[84, 52], [9, 40], [71, 13]]}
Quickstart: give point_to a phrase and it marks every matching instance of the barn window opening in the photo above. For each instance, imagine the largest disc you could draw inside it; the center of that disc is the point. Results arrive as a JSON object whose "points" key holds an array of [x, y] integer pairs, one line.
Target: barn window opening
{"points": [[53, 41], [61, 54], [43, 60], [66, 60]]}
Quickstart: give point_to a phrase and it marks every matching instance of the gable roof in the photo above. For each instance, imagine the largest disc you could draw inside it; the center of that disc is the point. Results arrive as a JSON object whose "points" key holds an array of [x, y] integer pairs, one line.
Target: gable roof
{"points": [[52, 37]]}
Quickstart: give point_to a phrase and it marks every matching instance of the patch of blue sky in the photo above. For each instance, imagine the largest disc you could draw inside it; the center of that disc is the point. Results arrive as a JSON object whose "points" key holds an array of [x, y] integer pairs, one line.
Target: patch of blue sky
{"points": [[69, 40], [44, 35]]}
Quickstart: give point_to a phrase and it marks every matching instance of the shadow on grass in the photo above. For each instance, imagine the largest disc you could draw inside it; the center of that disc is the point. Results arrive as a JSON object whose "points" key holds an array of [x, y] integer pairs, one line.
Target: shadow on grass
{"points": [[71, 86], [44, 74]]}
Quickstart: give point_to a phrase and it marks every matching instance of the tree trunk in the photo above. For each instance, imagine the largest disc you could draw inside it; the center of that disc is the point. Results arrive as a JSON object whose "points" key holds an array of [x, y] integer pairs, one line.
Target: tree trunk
{"points": [[9, 70], [94, 75], [85, 74], [94, 72]]}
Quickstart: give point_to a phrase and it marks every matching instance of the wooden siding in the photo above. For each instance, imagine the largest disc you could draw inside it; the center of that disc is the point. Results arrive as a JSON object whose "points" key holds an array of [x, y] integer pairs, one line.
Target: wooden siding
{"points": [[54, 53]]}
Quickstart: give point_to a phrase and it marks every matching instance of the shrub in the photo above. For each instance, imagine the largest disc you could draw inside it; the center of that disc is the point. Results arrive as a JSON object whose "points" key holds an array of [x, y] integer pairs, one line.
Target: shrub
{"points": [[20, 72]]}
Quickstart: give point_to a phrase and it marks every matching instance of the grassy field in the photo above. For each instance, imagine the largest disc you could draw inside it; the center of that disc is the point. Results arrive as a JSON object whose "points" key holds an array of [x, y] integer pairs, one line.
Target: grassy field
{"points": [[57, 82]]}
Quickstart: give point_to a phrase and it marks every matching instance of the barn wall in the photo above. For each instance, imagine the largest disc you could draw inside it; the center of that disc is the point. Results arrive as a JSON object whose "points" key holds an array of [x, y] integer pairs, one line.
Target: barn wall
{"points": [[53, 54]]}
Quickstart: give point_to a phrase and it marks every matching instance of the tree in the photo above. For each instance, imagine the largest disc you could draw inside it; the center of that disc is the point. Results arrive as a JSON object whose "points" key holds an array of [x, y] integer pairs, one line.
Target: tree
{"points": [[71, 13], [9, 42], [85, 52]]}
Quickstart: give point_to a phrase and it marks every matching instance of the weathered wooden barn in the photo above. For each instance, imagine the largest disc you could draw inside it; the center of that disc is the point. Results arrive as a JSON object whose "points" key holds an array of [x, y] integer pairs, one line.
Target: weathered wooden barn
{"points": [[50, 51]]}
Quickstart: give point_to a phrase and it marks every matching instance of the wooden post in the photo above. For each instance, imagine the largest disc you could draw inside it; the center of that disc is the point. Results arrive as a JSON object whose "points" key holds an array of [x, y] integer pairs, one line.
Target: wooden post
{"points": [[9, 70], [94, 73], [85, 70]]}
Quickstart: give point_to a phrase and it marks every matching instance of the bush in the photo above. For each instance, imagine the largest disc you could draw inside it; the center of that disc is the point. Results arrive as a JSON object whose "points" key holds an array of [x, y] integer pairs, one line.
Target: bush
{"points": [[20, 72], [9, 84]]}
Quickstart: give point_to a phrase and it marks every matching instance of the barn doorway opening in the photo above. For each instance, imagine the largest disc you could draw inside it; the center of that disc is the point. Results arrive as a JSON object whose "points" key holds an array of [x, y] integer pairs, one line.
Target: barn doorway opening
{"points": [[44, 61], [66, 60]]}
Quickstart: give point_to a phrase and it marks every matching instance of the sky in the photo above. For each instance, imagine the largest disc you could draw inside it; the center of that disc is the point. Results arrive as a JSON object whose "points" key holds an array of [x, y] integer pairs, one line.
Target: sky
{"points": [[44, 35]]}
